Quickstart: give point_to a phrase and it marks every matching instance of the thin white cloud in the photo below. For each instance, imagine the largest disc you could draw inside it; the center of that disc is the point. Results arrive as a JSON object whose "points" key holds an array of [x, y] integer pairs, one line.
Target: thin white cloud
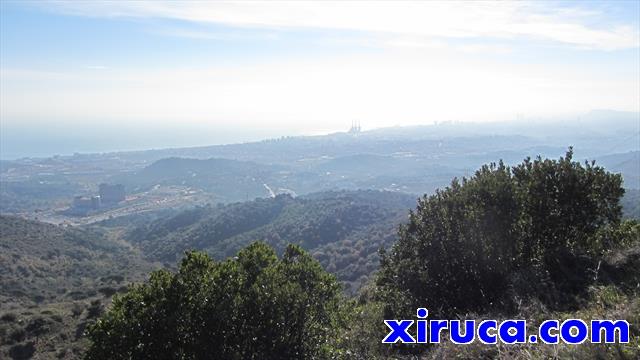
{"points": [[429, 19], [425, 77]]}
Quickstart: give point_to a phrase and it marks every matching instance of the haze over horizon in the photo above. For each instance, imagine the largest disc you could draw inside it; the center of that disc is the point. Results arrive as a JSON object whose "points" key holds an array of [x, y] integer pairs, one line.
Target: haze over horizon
{"points": [[105, 76]]}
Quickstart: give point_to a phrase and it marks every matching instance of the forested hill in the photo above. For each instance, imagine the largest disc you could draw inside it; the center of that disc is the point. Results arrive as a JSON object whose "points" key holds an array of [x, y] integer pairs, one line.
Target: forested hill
{"points": [[344, 230]]}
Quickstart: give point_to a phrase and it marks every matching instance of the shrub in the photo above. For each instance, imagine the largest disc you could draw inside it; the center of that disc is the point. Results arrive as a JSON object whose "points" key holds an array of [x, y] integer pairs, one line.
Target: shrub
{"points": [[254, 306], [530, 230]]}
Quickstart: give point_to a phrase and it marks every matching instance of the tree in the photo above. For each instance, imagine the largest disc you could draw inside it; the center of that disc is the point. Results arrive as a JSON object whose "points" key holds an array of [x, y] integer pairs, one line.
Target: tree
{"points": [[529, 229], [253, 306]]}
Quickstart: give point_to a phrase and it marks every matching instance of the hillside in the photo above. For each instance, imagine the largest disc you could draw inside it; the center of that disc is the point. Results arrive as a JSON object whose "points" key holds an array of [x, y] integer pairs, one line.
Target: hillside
{"points": [[48, 263], [343, 230], [627, 164], [631, 204], [54, 281]]}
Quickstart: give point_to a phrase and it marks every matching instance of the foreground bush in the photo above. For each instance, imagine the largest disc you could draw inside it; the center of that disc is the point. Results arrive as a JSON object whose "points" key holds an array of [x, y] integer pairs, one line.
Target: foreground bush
{"points": [[254, 306], [535, 230]]}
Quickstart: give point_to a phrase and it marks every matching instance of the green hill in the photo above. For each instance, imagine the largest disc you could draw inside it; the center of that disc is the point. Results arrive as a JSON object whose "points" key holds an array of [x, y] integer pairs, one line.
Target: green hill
{"points": [[343, 230]]}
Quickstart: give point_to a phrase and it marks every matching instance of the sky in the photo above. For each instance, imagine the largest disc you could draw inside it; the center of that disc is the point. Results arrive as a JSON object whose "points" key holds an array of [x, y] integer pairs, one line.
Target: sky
{"points": [[118, 75]]}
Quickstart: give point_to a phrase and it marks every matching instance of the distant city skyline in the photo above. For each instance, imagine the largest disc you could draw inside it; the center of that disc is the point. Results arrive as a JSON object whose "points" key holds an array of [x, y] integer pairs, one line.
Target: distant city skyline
{"points": [[194, 73]]}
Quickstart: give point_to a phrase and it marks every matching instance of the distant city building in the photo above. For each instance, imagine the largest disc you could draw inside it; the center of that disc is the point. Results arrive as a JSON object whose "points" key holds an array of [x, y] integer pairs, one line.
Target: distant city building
{"points": [[112, 194], [109, 195], [355, 127]]}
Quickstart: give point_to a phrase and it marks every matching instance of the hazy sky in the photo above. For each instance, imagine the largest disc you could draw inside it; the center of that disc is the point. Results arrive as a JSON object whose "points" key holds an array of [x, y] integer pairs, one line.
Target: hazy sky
{"points": [[272, 68]]}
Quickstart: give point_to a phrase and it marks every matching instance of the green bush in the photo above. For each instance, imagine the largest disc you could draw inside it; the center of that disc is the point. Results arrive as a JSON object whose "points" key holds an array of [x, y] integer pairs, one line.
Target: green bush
{"points": [[253, 306], [532, 230]]}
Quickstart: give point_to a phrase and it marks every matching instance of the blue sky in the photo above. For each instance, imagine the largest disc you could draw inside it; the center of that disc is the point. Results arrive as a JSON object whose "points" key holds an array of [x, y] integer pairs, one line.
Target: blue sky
{"points": [[284, 68]]}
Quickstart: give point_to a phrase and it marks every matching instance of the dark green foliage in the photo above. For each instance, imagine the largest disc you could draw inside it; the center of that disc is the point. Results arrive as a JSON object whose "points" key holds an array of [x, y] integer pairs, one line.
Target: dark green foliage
{"points": [[526, 231], [95, 309], [22, 351], [253, 306]]}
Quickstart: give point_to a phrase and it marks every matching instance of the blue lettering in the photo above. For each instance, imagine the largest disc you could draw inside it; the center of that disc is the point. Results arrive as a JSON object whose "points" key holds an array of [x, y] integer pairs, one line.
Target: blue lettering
{"points": [[609, 327], [435, 326], [483, 332], [398, 332], [519, 334], [580, 335], [545, 331], [469, 331]]}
